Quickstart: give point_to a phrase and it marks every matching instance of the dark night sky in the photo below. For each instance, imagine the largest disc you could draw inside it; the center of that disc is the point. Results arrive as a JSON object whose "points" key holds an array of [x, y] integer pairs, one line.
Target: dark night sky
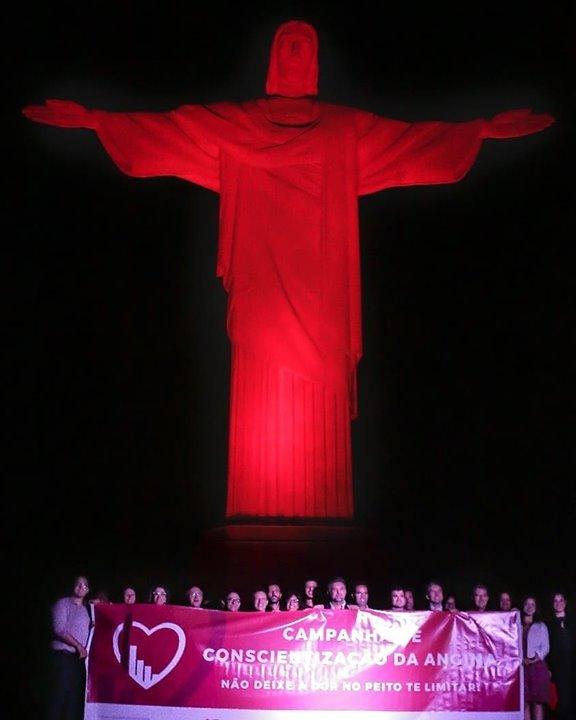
{"points": [[464, 450]]}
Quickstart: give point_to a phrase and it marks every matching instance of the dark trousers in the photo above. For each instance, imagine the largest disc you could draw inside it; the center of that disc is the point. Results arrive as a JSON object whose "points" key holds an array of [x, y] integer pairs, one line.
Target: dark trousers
{"points": [[564, 686], [67, 686]]}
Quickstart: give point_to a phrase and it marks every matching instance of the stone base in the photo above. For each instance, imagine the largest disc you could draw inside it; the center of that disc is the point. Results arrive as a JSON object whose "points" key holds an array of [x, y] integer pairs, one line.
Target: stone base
{"points": [[244, 557]]}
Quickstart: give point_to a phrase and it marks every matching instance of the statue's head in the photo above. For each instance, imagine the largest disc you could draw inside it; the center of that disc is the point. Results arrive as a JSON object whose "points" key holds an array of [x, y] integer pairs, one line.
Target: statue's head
{"points": [[293, 70]]}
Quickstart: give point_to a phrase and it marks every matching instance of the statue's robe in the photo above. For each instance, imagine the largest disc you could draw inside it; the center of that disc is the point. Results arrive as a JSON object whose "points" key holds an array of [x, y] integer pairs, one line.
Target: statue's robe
{"points": [[289, 260]]}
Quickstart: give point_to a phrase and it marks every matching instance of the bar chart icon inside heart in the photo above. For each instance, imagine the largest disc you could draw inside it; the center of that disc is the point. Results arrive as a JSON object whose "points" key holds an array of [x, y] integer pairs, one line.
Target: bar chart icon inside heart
{"points": [[138, 670]]}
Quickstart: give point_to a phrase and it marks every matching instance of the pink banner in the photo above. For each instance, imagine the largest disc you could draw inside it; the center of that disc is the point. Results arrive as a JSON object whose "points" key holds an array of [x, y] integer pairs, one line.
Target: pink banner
{"points": [[177, 662]]}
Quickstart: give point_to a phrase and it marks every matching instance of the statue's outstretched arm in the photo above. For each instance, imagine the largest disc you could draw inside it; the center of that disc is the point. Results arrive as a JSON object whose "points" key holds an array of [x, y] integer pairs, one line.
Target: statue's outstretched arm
{"points": [[394, 153], [516, 123], [62, 113], [182, 143]]}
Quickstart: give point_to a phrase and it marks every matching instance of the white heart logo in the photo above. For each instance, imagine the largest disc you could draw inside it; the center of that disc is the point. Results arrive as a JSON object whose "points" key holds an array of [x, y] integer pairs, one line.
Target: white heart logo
{"points": [[137, 670]]}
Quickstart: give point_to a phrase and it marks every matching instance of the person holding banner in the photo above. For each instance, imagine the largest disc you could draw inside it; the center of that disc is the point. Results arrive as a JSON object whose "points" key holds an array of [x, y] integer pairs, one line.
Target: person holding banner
{"points": [[160, 595], [337, 595], [232, 602], [128, 595], [397, 599], [505, 601], [259, 601], [434, 596], [292, 602], [450, 604], [100, 597], [361, 596], [274, 597], [71, 629], [409, 595], [195, 597], [480, 597], [310, 588]]}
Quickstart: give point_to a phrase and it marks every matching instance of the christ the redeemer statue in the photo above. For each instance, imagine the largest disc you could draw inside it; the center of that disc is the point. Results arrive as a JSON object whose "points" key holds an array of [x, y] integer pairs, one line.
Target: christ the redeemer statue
{"points": [[289, 170]]}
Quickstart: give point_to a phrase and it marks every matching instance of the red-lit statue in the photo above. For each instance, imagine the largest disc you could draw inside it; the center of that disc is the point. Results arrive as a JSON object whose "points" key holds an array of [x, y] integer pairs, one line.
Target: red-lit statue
{"points": [[289, 170]]}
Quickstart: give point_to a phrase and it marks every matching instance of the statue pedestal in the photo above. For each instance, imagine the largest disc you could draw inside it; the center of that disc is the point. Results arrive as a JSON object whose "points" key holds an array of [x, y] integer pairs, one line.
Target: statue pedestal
{"points": [[245, 557]]}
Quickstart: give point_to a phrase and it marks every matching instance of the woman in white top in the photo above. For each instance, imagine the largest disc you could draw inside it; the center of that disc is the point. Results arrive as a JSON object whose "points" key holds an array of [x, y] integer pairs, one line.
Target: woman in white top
{"points": [[536, 644]]}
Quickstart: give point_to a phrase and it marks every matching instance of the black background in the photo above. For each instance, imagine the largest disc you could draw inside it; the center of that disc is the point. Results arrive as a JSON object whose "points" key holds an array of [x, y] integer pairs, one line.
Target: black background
{"points": [[118, 389]]}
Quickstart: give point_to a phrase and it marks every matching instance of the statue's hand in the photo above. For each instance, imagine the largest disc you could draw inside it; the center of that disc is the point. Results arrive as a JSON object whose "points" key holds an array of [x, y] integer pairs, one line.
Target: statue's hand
{"points": [[515, 123], [63, 113]]}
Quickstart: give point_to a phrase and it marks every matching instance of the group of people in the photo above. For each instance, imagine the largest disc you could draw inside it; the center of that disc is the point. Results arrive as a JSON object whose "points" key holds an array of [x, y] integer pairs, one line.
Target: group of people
{"points": [[549, 646]]}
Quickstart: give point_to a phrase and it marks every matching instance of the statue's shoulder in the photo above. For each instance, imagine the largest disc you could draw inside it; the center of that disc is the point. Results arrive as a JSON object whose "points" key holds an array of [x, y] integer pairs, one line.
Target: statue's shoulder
{"points": [[349, 120], [222, 109], [351, 115], [226, 107], [239, 113], [342, 110]]}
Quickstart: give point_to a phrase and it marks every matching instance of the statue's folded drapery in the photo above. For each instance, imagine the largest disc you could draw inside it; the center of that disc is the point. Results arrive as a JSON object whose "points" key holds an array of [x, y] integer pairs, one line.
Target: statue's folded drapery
{"points": [[289, 260]]}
